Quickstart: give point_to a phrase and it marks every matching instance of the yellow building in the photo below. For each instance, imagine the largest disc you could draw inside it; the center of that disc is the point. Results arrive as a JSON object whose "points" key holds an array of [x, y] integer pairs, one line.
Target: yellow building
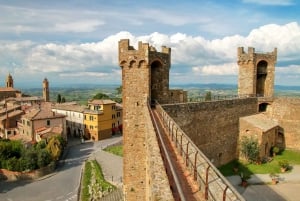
{"points": [[100, 119]]}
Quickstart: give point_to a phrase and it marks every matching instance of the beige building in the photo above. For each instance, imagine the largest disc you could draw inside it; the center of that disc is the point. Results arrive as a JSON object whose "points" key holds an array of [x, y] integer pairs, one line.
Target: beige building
{"points": [[9, 117], [41, 118], [74, 117]]}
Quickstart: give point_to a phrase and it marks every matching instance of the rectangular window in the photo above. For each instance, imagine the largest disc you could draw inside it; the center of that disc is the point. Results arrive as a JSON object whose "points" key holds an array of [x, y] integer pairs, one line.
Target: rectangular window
{"points": [[84, 117], [113, 116], [48, 122], [113, 125], [28, 123], [91, 118], [91, 127]]}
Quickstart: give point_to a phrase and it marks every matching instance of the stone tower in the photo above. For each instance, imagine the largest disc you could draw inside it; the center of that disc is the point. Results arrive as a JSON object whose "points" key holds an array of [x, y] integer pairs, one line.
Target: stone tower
{"points": [[9, 81], [46, 90], [256, 72], [145, 77]]}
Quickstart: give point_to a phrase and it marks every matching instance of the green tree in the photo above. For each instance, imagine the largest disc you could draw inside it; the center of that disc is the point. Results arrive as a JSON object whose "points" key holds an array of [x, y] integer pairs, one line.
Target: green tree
{"points": [[208, 96], [58, 100], [249, 148], [101, 96], [44, 158], [63, 99], [30, 159], [119, 89]]}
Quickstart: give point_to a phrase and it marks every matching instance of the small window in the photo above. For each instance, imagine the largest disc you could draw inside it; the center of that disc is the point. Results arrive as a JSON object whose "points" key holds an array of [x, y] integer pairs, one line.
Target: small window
{"points": [[48, 122]]}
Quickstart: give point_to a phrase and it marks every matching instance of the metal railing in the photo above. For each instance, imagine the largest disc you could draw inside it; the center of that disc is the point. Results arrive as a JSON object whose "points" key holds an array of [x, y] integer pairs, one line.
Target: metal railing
{"points": [[210, 181]]}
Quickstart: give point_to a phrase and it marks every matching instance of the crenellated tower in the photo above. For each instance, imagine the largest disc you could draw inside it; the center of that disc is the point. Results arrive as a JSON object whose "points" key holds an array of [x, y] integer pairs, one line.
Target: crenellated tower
{"points": [[145, 77], [46, 95], [256, 72]]}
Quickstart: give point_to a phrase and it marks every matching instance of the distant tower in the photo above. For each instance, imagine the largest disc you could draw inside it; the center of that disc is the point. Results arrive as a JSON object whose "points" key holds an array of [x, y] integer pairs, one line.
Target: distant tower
{"points": [[256, 72], [9, 81], [145, 76], [46, 90]]}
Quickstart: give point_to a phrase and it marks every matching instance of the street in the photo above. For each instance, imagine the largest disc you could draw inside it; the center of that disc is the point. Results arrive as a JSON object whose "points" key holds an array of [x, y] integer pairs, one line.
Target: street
{"points": [[63, 183]]}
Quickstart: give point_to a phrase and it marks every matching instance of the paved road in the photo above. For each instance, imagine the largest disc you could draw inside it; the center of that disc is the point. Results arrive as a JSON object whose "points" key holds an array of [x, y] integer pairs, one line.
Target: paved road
{"points": [[63, 184]]}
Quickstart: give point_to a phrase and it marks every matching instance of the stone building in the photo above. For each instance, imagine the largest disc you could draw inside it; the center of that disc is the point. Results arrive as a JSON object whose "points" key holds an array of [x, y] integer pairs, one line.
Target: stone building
{"points": [[9, 90], [256, 72], [41, 118], [264, 129]]}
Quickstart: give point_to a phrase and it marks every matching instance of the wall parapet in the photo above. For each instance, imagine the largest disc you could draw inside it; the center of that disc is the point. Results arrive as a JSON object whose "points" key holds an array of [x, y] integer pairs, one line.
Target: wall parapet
{"points": [[157, 180], [211, 182]]}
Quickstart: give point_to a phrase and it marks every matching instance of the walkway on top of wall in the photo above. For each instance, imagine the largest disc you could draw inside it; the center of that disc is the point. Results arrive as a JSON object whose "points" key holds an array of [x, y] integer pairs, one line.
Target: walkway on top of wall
{"points": [[189, 188]]}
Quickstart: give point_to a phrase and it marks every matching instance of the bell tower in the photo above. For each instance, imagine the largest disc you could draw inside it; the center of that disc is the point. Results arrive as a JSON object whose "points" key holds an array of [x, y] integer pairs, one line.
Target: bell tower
{"points": [[256, 72], [9, 81], [145, 77], [46, 90]]}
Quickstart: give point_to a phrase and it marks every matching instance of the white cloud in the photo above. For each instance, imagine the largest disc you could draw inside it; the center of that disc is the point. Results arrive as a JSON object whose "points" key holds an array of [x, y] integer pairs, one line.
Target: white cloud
{"points": [[222, 69], [192, 55], [271, 2], [78, 26]]}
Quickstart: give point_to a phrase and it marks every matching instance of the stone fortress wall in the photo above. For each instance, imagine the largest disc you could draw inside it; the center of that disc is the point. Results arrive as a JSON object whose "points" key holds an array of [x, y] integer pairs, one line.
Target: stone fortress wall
{"points": [[213, 126], [286, 111]]}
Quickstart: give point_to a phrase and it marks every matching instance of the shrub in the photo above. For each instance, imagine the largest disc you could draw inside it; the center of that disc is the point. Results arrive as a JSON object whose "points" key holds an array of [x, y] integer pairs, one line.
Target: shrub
{"points": [[249, 148], [283, 163], [44, 158], [275, 150]]}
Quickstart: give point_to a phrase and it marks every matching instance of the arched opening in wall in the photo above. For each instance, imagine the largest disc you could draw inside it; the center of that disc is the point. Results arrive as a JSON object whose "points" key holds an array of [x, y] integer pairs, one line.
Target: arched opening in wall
{"points": [[280, 141], [263, 107], [267, 150], [261, 77], [156, 81]]}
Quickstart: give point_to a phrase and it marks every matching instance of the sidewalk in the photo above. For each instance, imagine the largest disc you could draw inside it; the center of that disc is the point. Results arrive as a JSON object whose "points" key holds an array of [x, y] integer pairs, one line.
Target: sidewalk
{"points": [[260, 188], [112, 166]]}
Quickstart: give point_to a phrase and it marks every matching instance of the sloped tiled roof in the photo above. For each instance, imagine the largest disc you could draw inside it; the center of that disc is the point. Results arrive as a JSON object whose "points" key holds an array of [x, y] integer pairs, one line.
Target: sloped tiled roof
{"points": [[101, 102], [75, 107], [2, 89], [43, 112], [261, 121]]}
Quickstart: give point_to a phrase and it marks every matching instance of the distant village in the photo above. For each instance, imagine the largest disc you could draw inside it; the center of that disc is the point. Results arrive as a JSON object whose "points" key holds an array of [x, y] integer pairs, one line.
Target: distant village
{"points": [[32, 119]]}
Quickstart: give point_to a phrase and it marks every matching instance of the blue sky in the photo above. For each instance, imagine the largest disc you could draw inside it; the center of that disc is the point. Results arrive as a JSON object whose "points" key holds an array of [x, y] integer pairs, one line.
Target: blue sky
{"points": [[77, 41]]}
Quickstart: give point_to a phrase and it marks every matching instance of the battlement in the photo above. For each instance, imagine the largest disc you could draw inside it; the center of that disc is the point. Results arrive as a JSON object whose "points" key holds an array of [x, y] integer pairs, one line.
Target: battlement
{"points": [[243, 56]]}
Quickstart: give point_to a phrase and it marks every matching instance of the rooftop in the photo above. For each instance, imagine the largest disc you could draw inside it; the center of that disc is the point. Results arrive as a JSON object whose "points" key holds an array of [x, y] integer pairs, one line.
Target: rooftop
{"points": [[261, 121]]}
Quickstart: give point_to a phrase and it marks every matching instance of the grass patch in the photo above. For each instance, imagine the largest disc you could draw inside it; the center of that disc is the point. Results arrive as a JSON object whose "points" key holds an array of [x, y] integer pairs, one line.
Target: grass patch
{"points": [[117, 150], [106, 186], [93, 168], [293, 157], [87, 175]]}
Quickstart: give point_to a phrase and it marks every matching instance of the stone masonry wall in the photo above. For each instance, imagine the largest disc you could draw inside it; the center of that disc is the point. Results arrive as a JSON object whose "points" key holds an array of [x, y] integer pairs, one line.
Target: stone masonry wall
{"points": [[142, 179], [213, 126], [287, 112]]}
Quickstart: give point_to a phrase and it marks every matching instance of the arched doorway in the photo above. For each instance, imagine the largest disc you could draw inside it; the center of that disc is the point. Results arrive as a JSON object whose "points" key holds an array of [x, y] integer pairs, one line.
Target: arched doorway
{"points": [[156, 80], [261, 77]]}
